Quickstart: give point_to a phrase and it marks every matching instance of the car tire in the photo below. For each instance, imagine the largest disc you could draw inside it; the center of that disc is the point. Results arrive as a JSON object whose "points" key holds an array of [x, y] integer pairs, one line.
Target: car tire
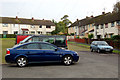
{"points": [[111, 51], [91, 49], [67, 60], [98, 50], [21, 61]]}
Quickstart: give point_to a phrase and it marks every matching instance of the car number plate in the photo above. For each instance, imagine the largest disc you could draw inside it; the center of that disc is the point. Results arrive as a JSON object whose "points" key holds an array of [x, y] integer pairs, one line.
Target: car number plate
{"points": [[107, 49]]}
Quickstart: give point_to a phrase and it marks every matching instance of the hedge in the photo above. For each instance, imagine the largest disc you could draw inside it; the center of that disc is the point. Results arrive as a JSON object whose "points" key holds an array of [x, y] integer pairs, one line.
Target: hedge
{"points": [[8, 36]]}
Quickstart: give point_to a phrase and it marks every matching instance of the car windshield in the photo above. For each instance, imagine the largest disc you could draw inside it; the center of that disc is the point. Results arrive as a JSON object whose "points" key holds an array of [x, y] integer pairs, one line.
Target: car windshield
{"points": [[26, 39], [102, 43]]}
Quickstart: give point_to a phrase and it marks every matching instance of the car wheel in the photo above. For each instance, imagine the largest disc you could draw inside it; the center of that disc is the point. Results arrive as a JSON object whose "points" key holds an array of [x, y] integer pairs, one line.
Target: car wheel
{"points": [[22, 61], [98, 50], [91, 49], [67, 60]]}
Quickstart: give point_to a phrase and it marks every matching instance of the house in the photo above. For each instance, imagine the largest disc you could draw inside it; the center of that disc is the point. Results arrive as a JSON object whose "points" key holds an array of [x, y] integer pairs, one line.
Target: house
{"points": [[108, 25], [17, 25], [102, 26]]}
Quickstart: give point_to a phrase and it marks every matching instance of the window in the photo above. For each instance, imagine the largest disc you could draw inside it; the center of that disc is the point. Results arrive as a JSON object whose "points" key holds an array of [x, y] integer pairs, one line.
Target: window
{"points": [[60, 40], [112, 24], [106, 25], [102, 26], [5, 32], [15, 32], [30, 46], [47, 47], [32, 26], [15, 25], [118, 23], [97, 27], [32, 32], [48, 32], [48, 26], [40, 26], [5, 25]]}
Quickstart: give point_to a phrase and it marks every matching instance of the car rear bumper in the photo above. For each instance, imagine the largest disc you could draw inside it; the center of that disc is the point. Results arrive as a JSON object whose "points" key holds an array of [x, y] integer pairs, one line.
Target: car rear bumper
{"points": [[8, 59]]}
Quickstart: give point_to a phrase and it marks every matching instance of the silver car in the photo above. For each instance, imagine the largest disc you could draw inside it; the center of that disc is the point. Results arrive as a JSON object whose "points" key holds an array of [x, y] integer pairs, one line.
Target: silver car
{"points": [[100, 46]]}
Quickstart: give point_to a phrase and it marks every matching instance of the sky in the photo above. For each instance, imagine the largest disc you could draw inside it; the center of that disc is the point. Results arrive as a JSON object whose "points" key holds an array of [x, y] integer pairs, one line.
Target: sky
{"points": [[54, 9]]}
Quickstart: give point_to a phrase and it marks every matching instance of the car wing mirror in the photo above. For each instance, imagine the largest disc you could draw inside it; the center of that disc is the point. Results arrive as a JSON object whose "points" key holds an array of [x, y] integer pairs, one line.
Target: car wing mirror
{"points": [[56, 49]]}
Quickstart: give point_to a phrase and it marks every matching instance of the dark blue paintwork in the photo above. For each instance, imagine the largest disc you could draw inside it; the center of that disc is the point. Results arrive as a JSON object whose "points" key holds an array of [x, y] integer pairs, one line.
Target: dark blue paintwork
{"points": [[39, 55]]}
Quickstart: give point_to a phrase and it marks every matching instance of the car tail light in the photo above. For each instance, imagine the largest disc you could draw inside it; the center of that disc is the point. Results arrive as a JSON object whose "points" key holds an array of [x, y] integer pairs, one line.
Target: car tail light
{"points": [[8, 52], [66, 42]]}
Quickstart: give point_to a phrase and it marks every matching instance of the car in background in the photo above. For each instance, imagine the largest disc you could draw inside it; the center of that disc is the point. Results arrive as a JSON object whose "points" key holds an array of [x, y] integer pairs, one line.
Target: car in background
{"points": [[58, 40], [100, 46], [37, 52]]}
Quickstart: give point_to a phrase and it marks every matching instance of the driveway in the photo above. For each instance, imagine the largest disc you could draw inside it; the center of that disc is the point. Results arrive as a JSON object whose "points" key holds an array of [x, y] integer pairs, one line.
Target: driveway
{"points": [[91, 65]]}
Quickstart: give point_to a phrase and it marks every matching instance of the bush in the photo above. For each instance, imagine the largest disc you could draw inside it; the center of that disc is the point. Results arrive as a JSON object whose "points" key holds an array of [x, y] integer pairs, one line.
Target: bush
{"points": [[90, 36], [77, 37], [72, 34], [8, 35], [116, 37]]}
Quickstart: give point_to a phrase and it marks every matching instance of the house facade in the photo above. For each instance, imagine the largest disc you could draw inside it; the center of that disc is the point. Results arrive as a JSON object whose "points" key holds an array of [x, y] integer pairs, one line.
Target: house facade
{"points": [[25, 26], [102, 26]]}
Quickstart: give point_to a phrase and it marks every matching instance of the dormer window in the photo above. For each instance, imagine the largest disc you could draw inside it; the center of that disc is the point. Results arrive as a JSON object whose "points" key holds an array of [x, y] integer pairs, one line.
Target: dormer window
{"points": [[106, 25], [102, 26]]}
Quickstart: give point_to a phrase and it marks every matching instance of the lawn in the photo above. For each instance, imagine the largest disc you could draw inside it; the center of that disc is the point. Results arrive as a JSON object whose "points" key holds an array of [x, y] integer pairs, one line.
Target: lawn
{"points": [[6, 43]]}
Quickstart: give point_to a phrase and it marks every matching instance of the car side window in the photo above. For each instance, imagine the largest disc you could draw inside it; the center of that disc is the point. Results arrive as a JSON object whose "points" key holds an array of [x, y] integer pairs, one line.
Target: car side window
{"points": [[30, 46], [47, 47]]}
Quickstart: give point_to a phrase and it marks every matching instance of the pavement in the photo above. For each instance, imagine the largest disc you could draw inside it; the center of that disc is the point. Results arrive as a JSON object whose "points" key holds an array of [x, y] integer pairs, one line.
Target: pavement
{"points": [[91, 65]]}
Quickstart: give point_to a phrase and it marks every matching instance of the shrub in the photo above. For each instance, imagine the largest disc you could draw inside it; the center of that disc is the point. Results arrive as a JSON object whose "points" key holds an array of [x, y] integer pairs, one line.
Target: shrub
{"points": [[72, 34], [90, 36], [116, 37]]}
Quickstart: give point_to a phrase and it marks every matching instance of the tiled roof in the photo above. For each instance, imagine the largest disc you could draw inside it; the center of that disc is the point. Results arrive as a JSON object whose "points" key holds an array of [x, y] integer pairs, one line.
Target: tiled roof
{"points": [[101, 19], [25, 21]]}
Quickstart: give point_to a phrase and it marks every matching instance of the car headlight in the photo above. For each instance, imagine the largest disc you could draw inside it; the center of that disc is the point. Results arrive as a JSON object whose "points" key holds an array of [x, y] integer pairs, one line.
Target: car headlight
{"points": [[76, 53]]}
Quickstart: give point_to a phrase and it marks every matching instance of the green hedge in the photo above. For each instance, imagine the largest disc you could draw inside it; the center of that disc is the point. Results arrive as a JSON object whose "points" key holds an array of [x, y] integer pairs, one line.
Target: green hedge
{"points": [[8, 36]]}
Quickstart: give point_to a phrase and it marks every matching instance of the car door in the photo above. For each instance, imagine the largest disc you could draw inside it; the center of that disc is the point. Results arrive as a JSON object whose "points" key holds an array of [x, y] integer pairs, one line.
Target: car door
{"points": [[32, 51], [50, 52]]}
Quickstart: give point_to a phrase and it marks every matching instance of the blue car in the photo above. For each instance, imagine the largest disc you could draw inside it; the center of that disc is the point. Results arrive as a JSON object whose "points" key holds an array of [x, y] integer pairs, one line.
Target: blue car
{"points": [[37, 52]]}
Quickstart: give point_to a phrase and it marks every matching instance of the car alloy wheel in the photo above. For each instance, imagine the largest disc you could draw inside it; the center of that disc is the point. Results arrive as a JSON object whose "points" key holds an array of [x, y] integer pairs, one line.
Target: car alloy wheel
{"points": [[98, 50], [91, 49], [68, 60], [22, 61]]}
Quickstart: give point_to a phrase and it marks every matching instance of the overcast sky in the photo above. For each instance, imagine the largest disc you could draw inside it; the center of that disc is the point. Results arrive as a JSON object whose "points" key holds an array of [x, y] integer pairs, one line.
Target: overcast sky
{"points": [[54, 9]]}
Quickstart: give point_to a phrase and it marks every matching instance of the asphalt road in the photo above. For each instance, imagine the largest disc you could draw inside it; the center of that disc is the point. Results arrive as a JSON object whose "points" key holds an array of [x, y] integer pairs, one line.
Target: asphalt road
{"points": [[91, 65]]}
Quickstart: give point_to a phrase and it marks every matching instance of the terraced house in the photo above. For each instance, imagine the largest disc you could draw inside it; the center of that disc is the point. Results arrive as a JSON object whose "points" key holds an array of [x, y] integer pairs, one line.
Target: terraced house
{"points": [[102, 26], [17, 25]]}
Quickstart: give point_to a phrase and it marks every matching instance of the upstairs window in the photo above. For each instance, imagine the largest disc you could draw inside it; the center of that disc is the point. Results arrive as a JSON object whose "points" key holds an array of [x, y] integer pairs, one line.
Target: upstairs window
{"points": [[97, 27], [48, 26], [32, 26], [118, 23], [40, 26], [112, 24], [102, 26], [106, 25], [5, 25], [15, 25]]}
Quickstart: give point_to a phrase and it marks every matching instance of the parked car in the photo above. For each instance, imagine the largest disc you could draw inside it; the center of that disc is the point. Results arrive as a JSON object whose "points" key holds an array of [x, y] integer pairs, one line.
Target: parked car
{"points": [[35, 52], [100, 46], [58, 40]]}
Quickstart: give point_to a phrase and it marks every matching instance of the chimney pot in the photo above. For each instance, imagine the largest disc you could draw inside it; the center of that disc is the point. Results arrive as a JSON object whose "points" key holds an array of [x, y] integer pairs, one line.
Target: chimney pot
{"points": [[16, 17], [103, 12], [32, 18]]}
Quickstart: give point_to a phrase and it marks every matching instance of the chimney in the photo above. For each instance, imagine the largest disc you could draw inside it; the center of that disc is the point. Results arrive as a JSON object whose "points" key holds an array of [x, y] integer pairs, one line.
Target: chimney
{"points": [[16, 17], [77, 19], [86, 16], [103, 13], [92, 16], [43, 19], [32, 19]]}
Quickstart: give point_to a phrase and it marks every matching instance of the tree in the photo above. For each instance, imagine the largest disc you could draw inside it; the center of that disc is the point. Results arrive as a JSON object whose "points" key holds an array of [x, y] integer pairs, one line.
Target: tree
{"points": [[117, 7], [62, 26]]}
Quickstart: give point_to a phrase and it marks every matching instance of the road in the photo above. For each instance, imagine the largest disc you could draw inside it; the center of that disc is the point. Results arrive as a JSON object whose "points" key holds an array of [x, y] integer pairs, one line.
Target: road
{"points": [[91, 65]]}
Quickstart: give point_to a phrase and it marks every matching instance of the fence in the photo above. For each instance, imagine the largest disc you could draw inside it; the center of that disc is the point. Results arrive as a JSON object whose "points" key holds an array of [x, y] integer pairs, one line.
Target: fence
{"points": [[113, 43]]}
